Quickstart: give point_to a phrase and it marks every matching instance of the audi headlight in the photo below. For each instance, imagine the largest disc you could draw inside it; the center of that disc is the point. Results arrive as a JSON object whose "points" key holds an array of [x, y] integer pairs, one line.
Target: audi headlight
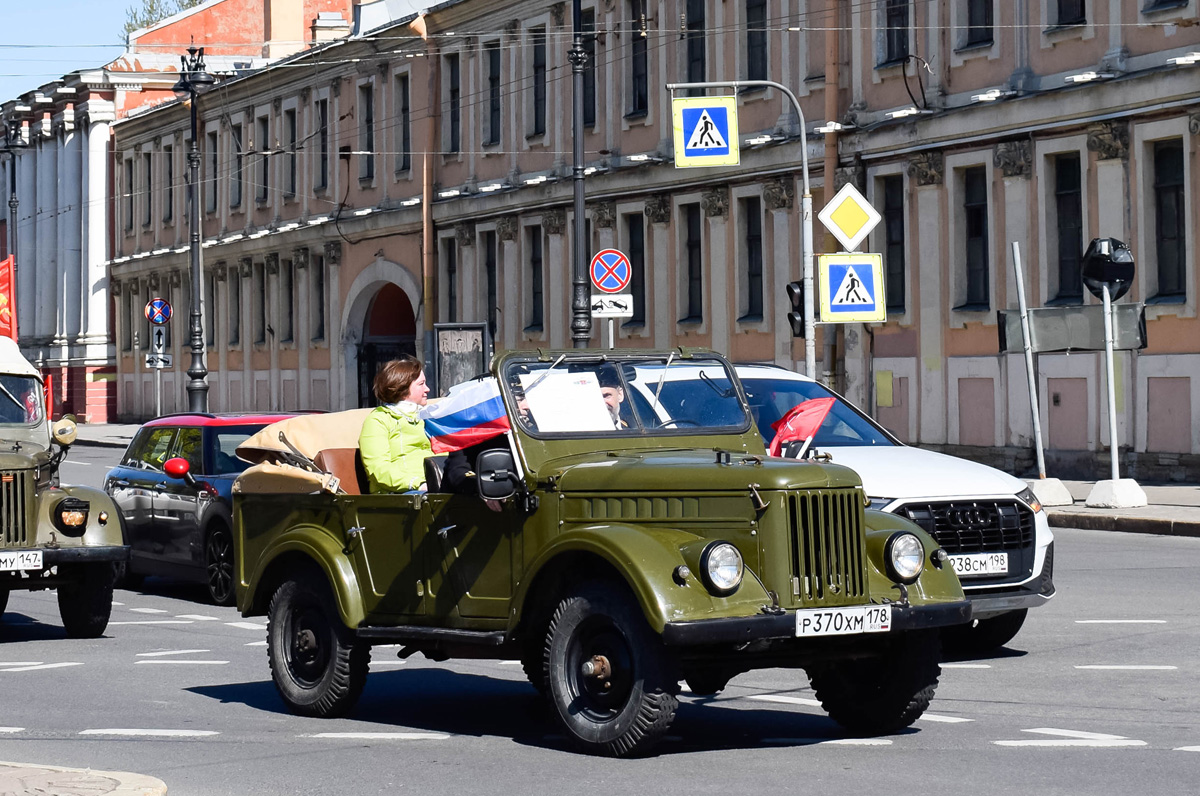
{"points": [[905, 556], [878, 503], [1026, 496], [71, 516], [721, 568]]}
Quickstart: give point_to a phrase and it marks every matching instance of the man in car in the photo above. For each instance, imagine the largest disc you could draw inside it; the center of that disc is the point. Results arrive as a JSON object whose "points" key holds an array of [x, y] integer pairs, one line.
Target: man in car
{"points": [[613, 394]]}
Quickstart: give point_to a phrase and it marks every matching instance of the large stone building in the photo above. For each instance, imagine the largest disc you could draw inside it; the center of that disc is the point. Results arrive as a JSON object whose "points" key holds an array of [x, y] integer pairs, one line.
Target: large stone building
{"points": [[419, 172]]}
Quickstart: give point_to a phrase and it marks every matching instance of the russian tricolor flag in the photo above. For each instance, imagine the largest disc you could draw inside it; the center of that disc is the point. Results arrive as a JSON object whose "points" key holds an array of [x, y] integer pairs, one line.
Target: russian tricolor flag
{"points": [[469, 415]]}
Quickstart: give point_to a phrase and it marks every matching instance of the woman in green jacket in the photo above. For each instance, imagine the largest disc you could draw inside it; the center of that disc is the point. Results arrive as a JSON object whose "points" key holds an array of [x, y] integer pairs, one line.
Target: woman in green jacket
{"points": [[393, 442]]}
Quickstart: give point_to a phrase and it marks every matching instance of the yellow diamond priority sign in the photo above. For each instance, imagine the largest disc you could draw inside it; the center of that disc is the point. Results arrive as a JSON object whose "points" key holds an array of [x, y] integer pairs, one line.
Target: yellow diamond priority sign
{"points": [[849, 216]]}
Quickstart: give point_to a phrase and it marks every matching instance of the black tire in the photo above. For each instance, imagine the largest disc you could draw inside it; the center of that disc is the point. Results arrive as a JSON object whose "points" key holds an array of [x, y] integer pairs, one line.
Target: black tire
{"points": [[218, 565], [318, 666], [983, 635], [533, 663], [883, 694], [630, 710], [3, 601], [85, 604]]}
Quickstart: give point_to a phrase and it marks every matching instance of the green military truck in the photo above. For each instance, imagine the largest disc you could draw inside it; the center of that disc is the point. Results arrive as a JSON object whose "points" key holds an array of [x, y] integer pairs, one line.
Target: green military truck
{"points": [[643, 538], [51, 536]]}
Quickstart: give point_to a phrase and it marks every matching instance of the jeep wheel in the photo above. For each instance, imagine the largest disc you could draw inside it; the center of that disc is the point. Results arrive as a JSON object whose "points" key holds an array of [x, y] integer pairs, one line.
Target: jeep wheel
{"points": [[85, 604], [218, 565], [983, 635], [607, 673], [319, 668], [884, 694]]}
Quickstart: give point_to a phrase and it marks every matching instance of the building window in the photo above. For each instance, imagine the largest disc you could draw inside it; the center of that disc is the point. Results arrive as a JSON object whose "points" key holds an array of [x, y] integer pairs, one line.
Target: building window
{"points": [[492, 134], [1170, 222], [454, 108], [210, 309], [979, 22], [636, 226], [450, 257], [893, 241], [128, 195], [210, 198], [366, 132], [126, 318], [168, 183], [756, 39], [639, 76], [695, 45], [1068, 204], [321, 112], [235, 184], [287, 297], [1071, 12], [234, 280], [694, 266], [317, 298], [752, 282], [535, 279], [975, 207], [895, 17], [404, 162], [259, 287], [147, 187], [262, 166], [587, 29], [539, 82], [289, 152], [492, 297]]}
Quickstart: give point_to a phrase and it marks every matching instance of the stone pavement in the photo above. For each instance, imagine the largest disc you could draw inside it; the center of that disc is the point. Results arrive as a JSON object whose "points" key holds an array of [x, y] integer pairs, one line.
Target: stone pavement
{"points": [[21, 779]]}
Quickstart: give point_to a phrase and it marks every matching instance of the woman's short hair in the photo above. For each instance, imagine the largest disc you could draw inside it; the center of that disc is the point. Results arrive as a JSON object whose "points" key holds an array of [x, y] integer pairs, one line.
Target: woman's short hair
{"points": [[394, 378]]}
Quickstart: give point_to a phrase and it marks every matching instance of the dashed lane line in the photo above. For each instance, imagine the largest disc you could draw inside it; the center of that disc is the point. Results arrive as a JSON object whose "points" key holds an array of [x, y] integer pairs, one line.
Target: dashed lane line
{"points": [[247, 625], [1120, 621], [149, 733], [256, 644], [1128, 667], [829, 741], [381, 736], [161, 653], [154, 622], [943, 719], [178, 661], [10, 730], [1073, 738], [1187, 749], [966, 666], [1088, 736], [786, 700], [20, 663], [149, 611], [198, 617], [41, 666]]}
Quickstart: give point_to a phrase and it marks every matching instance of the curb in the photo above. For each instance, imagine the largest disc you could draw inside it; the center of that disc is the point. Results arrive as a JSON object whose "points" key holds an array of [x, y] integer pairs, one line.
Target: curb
{"points": [[100, 443], [25, 778], [1112, 522]]}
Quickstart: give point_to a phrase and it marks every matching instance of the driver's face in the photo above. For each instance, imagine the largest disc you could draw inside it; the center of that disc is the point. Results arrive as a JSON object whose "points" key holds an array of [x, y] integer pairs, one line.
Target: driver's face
{"points": [[613, 396]]}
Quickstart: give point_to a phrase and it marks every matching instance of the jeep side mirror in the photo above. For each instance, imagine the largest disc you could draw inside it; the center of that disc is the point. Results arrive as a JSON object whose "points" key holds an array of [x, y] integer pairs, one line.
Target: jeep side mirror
{"points": [[178, 468], [496, 474], [65, 431]]}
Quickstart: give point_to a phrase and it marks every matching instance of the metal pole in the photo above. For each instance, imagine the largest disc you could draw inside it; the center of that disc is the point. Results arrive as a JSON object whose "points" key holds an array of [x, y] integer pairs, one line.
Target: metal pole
{"points": [[810, 348], [612, 336], [581, 318], [197, 388], [157, 391], [1112, 390], [1030, 376]]}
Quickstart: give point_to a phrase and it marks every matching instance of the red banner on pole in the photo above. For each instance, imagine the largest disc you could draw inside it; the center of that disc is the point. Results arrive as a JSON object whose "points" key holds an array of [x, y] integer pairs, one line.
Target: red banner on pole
{"points": [[8, 299]]}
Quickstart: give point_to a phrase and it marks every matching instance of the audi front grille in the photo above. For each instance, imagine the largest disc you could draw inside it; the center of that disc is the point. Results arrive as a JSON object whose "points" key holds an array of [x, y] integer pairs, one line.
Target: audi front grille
{"points": [[974, 526]]}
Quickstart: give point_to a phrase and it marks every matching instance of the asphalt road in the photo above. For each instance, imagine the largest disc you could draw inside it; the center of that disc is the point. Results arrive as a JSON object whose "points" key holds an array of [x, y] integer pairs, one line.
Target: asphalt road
{"points": [[1098, 694]]}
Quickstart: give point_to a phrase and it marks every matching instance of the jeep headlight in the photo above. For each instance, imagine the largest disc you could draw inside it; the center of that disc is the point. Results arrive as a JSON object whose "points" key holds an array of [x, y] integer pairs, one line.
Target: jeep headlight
{"points": [[71, 515], [905, 556], [721, 568]]}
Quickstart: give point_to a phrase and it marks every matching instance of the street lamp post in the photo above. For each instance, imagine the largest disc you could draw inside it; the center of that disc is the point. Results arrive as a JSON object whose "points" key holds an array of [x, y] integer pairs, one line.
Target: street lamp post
{"points": [[13, 141], [192, 80], [581, 318]]}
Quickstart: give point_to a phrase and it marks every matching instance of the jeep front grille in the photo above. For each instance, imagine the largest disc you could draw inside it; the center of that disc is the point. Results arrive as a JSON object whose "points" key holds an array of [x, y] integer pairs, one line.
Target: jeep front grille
{"points": [[16, 500], [974, 526], [828, 546]]}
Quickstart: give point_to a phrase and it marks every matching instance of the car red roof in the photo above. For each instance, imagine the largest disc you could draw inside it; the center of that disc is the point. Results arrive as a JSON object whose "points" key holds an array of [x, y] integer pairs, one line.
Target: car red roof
{"points": [[219, 420]]}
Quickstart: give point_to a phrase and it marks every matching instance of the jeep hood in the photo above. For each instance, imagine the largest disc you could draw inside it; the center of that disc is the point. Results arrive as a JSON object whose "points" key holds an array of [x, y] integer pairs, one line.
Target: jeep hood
{"points": [[632, 472]]}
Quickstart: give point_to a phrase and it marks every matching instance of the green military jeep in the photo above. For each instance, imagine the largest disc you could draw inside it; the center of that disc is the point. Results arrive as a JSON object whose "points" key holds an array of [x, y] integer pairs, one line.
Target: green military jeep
{"points": [[644, 538], [51, 536]]}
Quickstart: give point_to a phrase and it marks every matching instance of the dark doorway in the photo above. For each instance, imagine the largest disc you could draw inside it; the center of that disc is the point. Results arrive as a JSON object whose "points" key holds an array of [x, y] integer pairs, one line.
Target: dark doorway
{"points": [[389, 331]]}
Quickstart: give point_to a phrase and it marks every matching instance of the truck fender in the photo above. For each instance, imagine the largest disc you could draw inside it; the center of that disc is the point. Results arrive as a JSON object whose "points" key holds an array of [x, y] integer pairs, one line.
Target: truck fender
{"points": [[935, 584], [646, 559], [299, 547]]}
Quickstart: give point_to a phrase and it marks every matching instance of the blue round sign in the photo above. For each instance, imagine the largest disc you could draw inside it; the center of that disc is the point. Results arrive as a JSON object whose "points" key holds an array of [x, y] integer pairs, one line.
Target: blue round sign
{"points": [[610, 271], [158, 311]]}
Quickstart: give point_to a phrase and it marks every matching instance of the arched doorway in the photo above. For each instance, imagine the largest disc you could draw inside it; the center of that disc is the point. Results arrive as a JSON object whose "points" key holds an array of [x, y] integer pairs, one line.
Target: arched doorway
{"points": [[390, 329]]}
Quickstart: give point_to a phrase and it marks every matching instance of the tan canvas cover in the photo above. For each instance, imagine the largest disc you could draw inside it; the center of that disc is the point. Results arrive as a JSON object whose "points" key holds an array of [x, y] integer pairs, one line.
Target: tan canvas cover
{"points": [[310, 434], [12, 362], [269, 478]]}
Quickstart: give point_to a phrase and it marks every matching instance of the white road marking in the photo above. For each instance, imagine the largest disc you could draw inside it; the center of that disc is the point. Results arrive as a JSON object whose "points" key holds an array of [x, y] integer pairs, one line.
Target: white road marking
{"points": [[20, 663], [7, 730], [966, 666], [939, 718], [198, 617], [256, 644], [382, 736], [152, 733], [1120, 621], [168, 652], [1128, 668], [1187, 748], [831, 741], [178, 661], [149, 611], [787, 700], [510, 663], [1091, 736], [154, 622], [41, 666], [1073, 738], [247, 625], [117, 603], [388, 663]]}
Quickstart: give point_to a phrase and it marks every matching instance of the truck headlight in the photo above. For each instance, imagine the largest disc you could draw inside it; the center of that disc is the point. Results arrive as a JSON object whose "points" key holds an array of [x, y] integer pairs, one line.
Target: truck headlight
{"points": [[721, 568], [905, 556], [71, 515]]}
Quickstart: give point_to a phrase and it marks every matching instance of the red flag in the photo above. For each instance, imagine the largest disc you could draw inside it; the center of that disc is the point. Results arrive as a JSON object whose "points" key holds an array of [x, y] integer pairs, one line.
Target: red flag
{"points": [[800, 422], [8, 300]]}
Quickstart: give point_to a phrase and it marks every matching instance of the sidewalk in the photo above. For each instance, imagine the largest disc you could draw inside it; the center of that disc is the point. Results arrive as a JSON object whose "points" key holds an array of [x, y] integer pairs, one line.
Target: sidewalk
{"points": [[21, 779]]}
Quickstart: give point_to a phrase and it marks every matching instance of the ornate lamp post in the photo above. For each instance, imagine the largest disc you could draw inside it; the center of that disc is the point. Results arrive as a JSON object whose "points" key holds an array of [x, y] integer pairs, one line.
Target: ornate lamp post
{"points": [[13, 141], [581, 318], [193, 80]]}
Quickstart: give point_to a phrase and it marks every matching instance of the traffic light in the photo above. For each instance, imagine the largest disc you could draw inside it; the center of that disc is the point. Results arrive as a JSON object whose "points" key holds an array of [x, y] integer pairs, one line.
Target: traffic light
{"points": [[795, 292]]}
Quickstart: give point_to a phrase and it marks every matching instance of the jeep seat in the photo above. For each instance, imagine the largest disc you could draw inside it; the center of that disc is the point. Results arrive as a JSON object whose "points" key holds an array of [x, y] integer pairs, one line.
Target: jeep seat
{"points": [[435, 468], [346, 464]]}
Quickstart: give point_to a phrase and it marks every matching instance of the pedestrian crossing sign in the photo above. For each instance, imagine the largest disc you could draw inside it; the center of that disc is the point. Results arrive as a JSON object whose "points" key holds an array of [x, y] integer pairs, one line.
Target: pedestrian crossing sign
{"points": [[851, 288], [706, 131]]}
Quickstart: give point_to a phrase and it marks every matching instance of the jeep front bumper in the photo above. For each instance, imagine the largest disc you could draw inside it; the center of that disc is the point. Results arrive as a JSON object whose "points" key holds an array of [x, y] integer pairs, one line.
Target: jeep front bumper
{"points": [[782, 625], [84, 554]]}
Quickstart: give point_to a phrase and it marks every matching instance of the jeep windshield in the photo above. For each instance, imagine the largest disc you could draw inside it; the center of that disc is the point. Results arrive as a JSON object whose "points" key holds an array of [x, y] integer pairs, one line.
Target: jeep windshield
{"points": [[626, 396], [22, 419]]}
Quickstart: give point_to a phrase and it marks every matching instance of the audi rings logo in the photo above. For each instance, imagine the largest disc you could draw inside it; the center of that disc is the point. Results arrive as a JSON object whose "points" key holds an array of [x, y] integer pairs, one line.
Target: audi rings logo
{"points": [[969, 517]]}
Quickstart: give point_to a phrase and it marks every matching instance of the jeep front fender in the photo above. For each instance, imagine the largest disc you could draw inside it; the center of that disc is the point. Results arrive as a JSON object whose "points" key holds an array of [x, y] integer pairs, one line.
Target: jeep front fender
{"points": [[291, 552], [96, 534], [935, 584], [646, 558]]}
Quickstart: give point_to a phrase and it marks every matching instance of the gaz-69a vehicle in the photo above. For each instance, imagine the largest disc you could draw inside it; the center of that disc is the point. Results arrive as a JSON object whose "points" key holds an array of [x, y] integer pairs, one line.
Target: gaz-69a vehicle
{"points": [[643, 538], [51, 536]]}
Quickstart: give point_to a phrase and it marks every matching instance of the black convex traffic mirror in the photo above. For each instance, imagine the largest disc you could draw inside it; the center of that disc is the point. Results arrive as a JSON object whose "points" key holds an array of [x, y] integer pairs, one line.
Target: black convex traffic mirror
{"points": [[1107, 261]]}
